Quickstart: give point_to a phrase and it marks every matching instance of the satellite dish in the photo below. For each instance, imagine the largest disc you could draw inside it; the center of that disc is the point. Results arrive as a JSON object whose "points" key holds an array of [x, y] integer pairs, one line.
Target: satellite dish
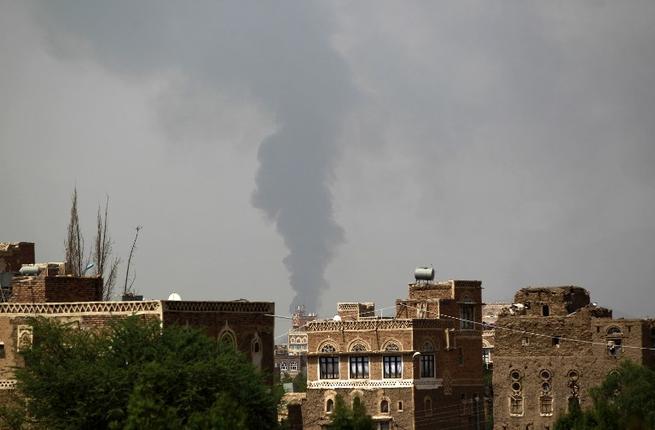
{"points": [[175, 297], [336, 318]]}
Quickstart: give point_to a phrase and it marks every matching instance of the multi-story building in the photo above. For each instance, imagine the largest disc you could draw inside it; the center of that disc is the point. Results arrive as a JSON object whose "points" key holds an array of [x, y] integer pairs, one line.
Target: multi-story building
{"points": [[551, 346], [49, 292], [297, 336], [288, 364], [421, 369]]}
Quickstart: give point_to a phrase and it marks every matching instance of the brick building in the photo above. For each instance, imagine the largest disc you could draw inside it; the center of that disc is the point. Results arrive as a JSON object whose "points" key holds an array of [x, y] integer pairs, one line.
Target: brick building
{"points": [[421, 369], [289, 364], [49, 292], [551, 346]]}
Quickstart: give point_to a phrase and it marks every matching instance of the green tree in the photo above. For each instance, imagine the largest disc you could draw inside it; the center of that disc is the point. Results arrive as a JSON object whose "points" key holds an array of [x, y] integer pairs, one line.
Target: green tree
{"points": [[344, 418], [625, 400], [134, 374], [300, 383]]}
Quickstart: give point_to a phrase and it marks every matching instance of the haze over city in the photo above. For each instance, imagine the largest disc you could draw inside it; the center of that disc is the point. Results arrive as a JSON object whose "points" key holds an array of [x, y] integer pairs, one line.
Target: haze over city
{"points": [[315, 152]]}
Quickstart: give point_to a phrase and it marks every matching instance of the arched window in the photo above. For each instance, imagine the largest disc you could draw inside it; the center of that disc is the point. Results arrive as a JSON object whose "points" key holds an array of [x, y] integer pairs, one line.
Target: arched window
{"points": [[283, 366], [384, 406], [328, 347], [427, 404], [228, 339], [545, 310], [391, 346], [329, 406], [358, 347], [427, 346], [294, 366], [546, 406]]}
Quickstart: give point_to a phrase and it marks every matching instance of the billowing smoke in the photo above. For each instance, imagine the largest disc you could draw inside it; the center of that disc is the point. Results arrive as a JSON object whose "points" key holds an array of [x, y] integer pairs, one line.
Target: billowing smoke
{"points": [[293, 189], [277, 55]]}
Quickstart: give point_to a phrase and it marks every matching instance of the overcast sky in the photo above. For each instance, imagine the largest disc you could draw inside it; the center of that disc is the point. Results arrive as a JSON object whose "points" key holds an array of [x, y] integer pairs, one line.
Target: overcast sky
{"points": [[311, 153]]}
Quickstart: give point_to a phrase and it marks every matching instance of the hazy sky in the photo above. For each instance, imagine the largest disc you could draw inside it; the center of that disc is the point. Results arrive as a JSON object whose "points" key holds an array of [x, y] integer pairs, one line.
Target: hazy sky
{"points": [[306, 152]]}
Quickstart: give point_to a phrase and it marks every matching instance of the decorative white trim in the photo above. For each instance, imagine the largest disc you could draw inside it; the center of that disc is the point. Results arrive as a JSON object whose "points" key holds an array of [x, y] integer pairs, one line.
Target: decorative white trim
{"points": [[7, 384], [76, 308], [374, 384]]}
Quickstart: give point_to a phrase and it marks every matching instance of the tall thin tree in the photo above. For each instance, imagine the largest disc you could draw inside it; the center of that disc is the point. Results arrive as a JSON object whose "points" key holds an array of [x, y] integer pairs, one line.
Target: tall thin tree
{"points": [[74, 240], [102, 253], [127, 289]]}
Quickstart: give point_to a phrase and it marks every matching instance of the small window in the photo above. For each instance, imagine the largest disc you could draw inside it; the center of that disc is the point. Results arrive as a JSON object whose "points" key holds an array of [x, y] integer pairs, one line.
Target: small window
{"points": [[546, 406], [516, 406], [228, 339], [2, 350], [294, 366], [556, 341], [427, 403], [516, 386], [358, 347], [400, 406], [283, 366], [525, 341], [383, 425], [515, 375], [328, 348], [329, 406], [384, 406], [574, 404], [392, 346], [460, 356], [255, 347], [545, 374], [545, 310], [467, 317]]}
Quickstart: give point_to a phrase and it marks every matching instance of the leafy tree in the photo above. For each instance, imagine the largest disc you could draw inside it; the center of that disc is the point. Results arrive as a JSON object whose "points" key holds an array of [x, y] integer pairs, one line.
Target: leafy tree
{"points": [[344, 418], [136, 375], [300, 383], [625, 400]]}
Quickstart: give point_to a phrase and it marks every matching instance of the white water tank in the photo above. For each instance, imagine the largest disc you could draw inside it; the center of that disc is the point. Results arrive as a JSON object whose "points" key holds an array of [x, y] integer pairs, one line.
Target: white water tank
{"points": [[424, 274]]}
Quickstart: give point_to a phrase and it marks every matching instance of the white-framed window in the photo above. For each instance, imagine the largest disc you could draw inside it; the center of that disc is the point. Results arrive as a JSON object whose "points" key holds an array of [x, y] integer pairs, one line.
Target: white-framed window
{"points": [[328, 367], [516, 406], [359, 368], [283, 366], [293, 366], [392, 366]]}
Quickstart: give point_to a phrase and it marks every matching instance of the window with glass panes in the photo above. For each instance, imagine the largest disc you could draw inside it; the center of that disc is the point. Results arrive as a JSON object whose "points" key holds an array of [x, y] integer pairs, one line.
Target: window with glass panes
{"points": [[427, 366], [393, 366], [359, 367], [467, 316], [329, 367]]}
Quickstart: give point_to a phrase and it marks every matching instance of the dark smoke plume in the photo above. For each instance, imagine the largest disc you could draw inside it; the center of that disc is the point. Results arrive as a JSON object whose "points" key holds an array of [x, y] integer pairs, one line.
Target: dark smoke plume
{"points": [[278, 54]]}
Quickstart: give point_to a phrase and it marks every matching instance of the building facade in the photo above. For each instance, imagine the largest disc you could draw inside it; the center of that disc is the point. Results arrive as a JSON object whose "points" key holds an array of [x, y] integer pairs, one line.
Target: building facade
{"points": [[51, 293], [421, 369], [551, 346]]}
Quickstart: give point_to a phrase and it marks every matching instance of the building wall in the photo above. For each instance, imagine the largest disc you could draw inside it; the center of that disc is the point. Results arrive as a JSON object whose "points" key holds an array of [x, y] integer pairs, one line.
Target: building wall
{"points": [[524, 362], [251, 324], [55, 289], [248, 322], [14, 255]]}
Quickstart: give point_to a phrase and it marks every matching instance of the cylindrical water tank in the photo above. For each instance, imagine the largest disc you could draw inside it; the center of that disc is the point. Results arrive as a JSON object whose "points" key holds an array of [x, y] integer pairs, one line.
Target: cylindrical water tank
{"points": [[29, 270], [424, 273]]}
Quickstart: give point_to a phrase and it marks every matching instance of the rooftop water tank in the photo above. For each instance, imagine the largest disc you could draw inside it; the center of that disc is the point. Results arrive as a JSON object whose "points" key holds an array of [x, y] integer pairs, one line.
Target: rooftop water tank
{"points": [[424, 274]]}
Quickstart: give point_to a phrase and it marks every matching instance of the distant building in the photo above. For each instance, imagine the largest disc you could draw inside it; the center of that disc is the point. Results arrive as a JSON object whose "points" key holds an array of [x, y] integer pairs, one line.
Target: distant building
{"points": [[297, 337], [551, 346], [287, 364], [490, 312], [421, 369]]}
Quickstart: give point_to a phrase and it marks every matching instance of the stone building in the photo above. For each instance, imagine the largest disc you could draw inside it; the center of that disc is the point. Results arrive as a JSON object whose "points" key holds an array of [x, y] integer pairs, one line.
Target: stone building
{"points": [[421, 369], [288, 364], [490, 312], [49, 292], [297, 336], [551, 346]]}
